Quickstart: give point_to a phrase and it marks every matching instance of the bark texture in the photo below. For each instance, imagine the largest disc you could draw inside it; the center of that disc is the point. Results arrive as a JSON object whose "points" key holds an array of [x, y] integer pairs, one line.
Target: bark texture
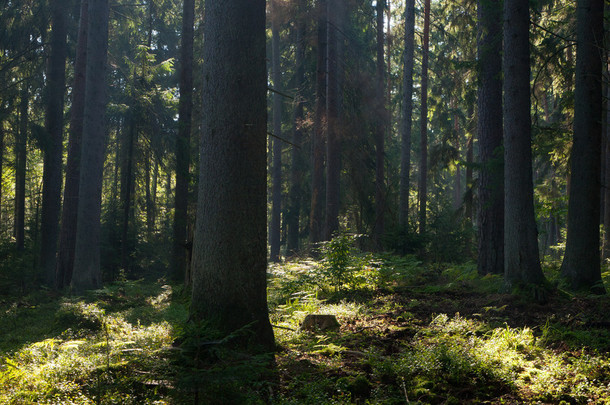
{"points": [[380, 129], [230, 247], [423, 163], [276, 190], [21, 141]]}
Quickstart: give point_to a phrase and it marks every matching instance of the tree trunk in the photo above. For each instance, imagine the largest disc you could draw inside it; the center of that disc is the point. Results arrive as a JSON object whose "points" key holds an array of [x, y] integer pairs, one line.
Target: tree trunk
{"points": [[87, 272], [67, 235], [317, 176], [54, 125], [127, 178], [297, 164], [606, 184], [20, 168], [380, 130], [581, 263], [407, 114], [276, 193], [468, 198], [489, 131], [333, 110], [423, 164], [230, 247], [521, 261], [183, 141]]}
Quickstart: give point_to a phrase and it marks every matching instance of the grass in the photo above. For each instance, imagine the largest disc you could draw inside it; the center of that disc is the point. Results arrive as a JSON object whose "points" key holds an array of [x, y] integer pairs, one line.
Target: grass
{"points": [[410, 333]]}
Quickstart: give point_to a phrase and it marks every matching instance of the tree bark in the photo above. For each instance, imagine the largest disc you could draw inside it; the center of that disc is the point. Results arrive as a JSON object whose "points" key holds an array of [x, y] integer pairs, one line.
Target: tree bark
{"points": [[521, 261], [380, 130], [54, 123], [20, 167], [317, 176], [581, 263], [276, 191], [67, 235], [423, 164], [230, 247], [333, 111], [297, 164], [407, 114], [87, 271], [489, 131], [183, 141]]}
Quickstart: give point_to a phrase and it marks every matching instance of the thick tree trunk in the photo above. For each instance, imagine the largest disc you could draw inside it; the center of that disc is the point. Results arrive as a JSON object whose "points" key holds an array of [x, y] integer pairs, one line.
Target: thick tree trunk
{"points": [[230, 247], [276, 191], [380, 130], [297, 164], [67, 235], [20, 167], [317, 176], [606, 184], [521, 261], [54, 125], [183, 142], [581, 263], [333, 111], [407, 114], [423, 163], [489, 131], [87, 272]]}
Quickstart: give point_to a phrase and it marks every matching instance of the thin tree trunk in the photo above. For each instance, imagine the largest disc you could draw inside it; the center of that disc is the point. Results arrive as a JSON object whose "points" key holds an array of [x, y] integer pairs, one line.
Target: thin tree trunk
{"points": [[183, 141], [489, 131], [20, 170], [127, 181], [54, 123], [317, 177], [276, 193], [468, 198], [333, 107], [67, 235], [521, 260], [87, 271], [380, 130], [581, 263], [423, 164], [296, 168], [407, 117]]}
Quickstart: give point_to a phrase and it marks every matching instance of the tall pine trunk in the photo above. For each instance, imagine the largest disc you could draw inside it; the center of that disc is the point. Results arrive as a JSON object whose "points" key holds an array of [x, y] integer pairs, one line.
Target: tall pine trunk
{"points": [[581, 263], [380, 130], [183, 142], [21, 141], [87, 271], [276, 191], [230, 246], [489, 131], [423, 163], [521, 261], [407, 114], [67, 235], [317, 175]]}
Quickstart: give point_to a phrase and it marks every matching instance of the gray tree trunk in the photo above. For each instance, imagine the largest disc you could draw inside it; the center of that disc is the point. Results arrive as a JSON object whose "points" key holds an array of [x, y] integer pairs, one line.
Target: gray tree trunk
{"points": [[380, 129], [407, 114], [67, 234], [54, 125], [489, 131], [183, 142], [276, 191], [423, 164], [521, 261], [581, 263], [21, 141], [230, 247], [87, 271]]}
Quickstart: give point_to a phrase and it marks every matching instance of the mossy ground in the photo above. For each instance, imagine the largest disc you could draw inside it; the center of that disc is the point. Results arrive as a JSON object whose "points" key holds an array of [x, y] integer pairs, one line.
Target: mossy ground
{"points": [[410, 333]]}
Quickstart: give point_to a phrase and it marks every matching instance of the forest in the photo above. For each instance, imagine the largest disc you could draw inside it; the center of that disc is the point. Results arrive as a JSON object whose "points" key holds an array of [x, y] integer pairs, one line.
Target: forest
{"points": [[304, 202]]}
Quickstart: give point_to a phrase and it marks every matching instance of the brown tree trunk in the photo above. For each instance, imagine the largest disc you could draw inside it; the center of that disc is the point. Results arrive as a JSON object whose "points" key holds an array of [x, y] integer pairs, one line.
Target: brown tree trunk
{"points": [[407, 111], [276, 191], [468, 198], [67, 235], [230, 247], [380, 130], [317, 176], [521, 261], [87, 271], [183, 142], [54, 125], [423, 164], [489, 131], [20, 167], [581, 263]]}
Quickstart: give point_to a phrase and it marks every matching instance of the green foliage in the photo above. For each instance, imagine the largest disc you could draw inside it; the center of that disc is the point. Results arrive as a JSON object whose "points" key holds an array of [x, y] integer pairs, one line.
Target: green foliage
{"points": [[339, 263]]}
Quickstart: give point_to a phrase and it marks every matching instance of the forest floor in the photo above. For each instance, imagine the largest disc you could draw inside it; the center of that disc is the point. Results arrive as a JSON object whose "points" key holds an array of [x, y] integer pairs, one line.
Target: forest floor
{"points": [[409, 333]]}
